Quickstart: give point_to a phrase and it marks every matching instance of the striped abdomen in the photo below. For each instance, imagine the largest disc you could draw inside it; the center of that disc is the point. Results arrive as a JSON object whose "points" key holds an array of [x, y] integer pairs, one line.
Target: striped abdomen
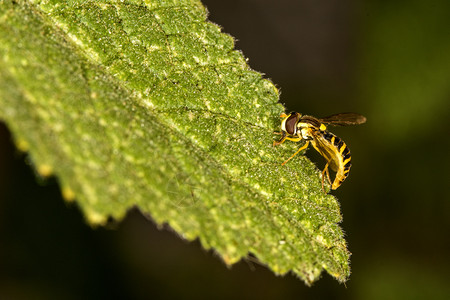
{"points": [[339, 158]]}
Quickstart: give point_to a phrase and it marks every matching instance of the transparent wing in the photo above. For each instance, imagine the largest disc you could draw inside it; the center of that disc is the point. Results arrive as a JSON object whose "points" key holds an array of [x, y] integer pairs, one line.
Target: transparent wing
{"points": [[326, 149], [344, 119], [322, 145]]}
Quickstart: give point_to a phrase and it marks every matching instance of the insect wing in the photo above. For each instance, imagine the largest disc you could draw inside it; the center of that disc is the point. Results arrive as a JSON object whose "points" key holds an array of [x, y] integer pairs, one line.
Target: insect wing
{"points": [[344, 119], [323, 146]]}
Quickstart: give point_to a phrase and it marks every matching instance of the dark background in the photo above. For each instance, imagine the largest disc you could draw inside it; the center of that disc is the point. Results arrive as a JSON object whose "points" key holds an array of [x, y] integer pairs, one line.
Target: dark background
{"points": [[388, 60]]}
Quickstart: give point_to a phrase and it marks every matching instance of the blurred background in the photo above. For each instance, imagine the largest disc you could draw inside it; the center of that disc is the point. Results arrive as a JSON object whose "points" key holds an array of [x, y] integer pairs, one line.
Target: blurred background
{"points": [[388, 60]]}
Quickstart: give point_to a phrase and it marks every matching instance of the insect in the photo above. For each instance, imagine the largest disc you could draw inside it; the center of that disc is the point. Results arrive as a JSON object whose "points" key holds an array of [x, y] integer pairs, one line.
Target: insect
{"points": [[296, 127]]}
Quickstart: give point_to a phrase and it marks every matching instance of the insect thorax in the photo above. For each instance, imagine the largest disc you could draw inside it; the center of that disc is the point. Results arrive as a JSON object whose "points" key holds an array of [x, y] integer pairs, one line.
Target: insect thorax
{"points": [[309, 127], [306, 133]]}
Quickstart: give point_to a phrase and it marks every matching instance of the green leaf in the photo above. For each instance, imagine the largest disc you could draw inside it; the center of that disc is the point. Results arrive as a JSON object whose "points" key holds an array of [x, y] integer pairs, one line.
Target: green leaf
{"points": [[147, 104]]}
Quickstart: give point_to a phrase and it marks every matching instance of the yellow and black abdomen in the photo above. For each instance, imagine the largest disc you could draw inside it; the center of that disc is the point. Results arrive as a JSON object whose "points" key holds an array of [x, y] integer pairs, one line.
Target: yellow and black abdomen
{"points": [[337, 154]]}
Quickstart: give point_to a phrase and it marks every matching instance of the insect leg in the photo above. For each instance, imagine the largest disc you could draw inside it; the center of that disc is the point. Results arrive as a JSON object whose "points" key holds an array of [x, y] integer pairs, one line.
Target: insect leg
{"points": [[325, 171], [301, 148], [281, 141]]}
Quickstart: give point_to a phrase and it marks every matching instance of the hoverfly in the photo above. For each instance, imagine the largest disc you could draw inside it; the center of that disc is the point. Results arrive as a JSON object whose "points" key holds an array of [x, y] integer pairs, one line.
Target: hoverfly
{"points": [[296, 127]]}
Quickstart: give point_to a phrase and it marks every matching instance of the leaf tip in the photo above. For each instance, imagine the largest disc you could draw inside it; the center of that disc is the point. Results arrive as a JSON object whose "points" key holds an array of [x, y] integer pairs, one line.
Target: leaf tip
{"points": [[22, 145], [95, 218], [68, 194], [45, 170], [230, 260]]}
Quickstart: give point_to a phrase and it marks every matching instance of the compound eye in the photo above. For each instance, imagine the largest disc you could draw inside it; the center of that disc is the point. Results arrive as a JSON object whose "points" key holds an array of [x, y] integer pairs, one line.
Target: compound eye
{"points": [[291, 124]]}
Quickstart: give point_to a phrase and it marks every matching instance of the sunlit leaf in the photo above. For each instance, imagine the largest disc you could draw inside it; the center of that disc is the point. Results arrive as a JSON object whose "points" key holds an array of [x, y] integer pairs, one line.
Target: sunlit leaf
{"points": [[147, 104]]}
